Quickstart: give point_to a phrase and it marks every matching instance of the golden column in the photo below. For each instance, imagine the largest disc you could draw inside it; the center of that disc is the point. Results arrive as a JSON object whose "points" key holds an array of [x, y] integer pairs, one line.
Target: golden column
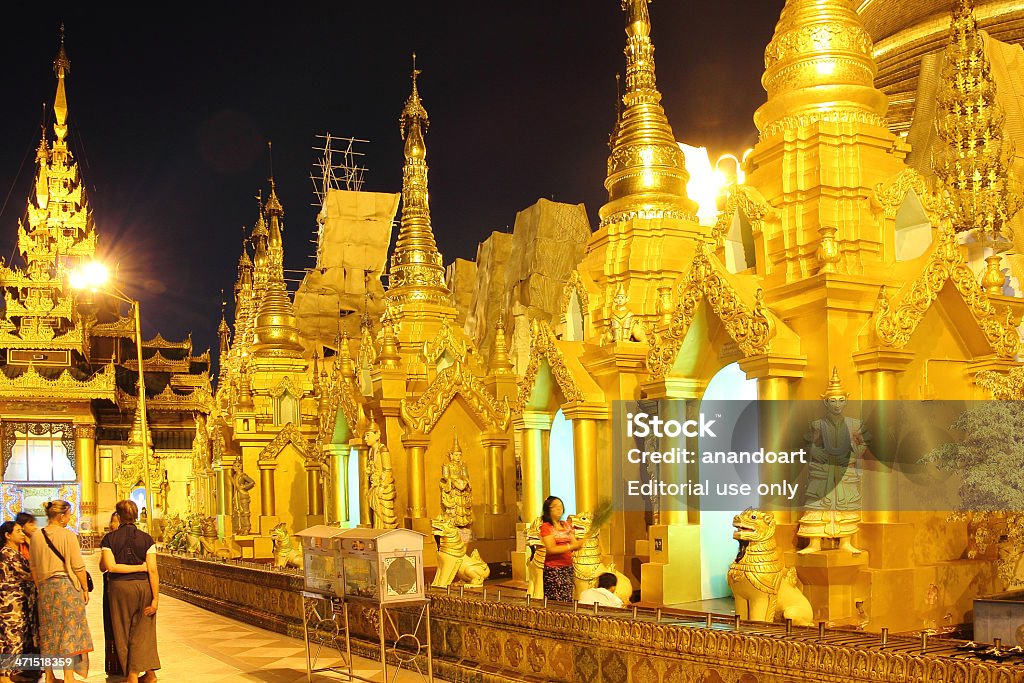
{"points": [[879, 369], [85, 460], [774, 374], [416, 473], [268, 505], [339, 454], [534, 425], [584, 446], [314, 490], [361, 452], [495, 444], [223, 489]]}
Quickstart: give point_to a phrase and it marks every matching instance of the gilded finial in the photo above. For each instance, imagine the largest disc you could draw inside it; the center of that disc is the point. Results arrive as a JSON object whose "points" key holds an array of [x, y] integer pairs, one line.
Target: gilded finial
{"points": [[273, 206], [819, 64], [646, 171], [61, 69], [416, 272], [835, 387], [501, 364], [389, 355]]}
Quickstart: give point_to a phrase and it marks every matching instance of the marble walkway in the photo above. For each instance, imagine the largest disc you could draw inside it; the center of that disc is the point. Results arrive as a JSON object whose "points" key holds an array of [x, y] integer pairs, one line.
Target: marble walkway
{"points": [[197, 646]]}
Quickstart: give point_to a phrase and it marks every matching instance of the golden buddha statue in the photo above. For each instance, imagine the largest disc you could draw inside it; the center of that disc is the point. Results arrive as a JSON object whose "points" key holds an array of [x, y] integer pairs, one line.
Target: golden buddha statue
{"points": [[381, 488], [621, 324], [456, 492], [835, 445]]}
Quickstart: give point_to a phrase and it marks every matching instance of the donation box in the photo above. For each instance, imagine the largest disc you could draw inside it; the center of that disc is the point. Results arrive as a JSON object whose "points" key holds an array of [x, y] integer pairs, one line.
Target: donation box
{"points": [[321, 553], [381, 565]]}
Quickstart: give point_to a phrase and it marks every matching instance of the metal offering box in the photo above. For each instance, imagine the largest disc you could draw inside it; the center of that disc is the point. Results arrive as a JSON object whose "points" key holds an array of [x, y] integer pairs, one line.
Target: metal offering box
{"points": [[321, 553], [382, 565]]}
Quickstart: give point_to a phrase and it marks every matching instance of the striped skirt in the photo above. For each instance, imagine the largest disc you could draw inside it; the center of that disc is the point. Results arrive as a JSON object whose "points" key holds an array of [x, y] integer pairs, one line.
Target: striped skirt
{"points": [[63, 628]]}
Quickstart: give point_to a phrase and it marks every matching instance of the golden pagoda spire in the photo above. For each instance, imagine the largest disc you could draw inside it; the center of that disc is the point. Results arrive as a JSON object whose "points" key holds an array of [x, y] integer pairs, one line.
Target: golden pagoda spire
{"points": [[501, 364], [61, 68], [646, 171], [276, 329], [417, 272], [347, 367], [972, 159], [274, 214], [819, 66]]}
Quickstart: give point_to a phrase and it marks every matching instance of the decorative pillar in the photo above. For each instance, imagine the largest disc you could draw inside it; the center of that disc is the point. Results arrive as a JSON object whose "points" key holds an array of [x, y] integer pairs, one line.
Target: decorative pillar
{"points": [[364, 483], [584, 446], [534, 426], [314, 490], [85, 461], [339, 454], [879, 372], [268, 504], [774, 374], [223, 489], [495, 470], [416, 475]]}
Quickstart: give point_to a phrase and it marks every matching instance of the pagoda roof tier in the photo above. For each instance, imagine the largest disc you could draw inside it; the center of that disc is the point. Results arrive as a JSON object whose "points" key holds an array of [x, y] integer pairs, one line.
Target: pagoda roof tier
{"points": [[43, 307], [33, 384], [158, 342], [42, 338], [159, 363], [169, 400]]}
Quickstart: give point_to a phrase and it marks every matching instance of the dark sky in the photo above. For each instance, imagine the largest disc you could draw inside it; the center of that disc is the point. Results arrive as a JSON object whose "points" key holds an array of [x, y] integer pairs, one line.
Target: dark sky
{"points": [[171, 109]]}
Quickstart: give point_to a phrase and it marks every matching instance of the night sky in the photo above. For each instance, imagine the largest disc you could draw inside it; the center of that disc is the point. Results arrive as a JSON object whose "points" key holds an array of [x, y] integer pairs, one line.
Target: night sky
{"points": [[171, 109]]}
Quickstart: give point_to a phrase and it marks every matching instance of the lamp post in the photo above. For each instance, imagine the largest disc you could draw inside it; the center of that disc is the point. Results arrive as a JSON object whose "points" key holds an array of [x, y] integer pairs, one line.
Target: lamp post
{"points": [[95, 277]]}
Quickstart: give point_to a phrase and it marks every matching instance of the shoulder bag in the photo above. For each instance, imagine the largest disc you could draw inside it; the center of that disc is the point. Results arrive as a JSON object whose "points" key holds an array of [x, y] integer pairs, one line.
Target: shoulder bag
{"points": [[88, 579]]}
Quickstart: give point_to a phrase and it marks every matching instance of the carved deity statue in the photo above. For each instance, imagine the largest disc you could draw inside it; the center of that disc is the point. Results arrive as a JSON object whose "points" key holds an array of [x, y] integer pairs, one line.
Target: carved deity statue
{"points": [[381, 487], [621, 324], [835, 445], [456, 492], [242, 484]]}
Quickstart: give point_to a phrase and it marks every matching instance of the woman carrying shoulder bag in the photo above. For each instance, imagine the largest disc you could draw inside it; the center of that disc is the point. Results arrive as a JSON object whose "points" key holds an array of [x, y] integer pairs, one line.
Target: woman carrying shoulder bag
{"points": [[59, 573]]}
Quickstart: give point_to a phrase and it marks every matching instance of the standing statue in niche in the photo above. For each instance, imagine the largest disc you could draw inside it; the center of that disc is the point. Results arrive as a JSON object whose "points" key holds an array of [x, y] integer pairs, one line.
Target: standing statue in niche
{"points": [[835, 445], [242, 484], [381, 488], [456, 492], [621, 324]]}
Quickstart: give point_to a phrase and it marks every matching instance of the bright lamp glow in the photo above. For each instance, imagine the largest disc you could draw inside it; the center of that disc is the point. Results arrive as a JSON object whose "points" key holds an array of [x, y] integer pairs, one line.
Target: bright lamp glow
{"points": [[91, 275]]}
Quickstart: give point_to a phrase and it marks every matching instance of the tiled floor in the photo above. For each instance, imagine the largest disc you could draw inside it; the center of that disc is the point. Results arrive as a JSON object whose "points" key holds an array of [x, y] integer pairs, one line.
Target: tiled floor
{"points": [[197, 646]]}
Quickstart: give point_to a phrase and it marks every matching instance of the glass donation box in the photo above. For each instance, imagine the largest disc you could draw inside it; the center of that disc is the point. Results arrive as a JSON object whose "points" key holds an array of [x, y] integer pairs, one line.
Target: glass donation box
{"points": [[381, 565], [321, 553]]}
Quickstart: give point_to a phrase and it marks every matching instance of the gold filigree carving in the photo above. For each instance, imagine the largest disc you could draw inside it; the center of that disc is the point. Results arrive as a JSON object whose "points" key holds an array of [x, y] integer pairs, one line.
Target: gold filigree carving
{"points": [[574, 285], [789, 123], [122, 327], [747, 200], [891, 195], [423, 414], [543, 347], [198, 400], [158, 342], [158, 363], [31, 386], [446, 340], [895, 323], [289, 434], [751, 327]]}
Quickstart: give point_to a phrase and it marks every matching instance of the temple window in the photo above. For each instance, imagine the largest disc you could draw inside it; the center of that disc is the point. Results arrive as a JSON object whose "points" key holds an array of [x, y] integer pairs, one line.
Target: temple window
{"points": [[913, 229], [286, 409], [38, 451]]}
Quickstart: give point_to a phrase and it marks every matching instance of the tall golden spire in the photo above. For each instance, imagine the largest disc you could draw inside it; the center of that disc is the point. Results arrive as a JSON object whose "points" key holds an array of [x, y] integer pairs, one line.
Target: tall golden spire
{"points": [[276, 329], [61, 68], [972, 159], [819, 66], [646, 172], [417, 272]]}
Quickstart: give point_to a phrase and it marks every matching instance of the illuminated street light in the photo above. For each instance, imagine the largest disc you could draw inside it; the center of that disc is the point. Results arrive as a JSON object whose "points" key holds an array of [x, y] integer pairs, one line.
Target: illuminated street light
{"points": [[95, 277]]}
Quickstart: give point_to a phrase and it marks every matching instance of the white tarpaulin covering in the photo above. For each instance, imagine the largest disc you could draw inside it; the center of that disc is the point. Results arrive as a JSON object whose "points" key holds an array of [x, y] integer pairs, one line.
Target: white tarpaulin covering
{"points": [[354, 238]]}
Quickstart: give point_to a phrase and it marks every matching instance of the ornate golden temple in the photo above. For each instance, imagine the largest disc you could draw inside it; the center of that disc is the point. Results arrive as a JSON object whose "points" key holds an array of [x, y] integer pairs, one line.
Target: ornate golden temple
{"points": [[70, 364], [865, 253]]}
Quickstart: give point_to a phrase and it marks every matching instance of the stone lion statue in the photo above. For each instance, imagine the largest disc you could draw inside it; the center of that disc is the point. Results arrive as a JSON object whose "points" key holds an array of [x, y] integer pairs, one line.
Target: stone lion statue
{"points": [[762, 586], [453, 564]]}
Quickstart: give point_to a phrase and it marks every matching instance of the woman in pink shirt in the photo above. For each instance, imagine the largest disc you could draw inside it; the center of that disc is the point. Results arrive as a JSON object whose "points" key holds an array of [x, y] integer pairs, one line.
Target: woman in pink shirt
{"points": [[560, 541]]}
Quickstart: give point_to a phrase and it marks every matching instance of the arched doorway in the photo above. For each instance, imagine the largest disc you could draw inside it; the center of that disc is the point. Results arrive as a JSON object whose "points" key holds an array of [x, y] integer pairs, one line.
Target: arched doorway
{"points": [[562, 462], [717, 547]]}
